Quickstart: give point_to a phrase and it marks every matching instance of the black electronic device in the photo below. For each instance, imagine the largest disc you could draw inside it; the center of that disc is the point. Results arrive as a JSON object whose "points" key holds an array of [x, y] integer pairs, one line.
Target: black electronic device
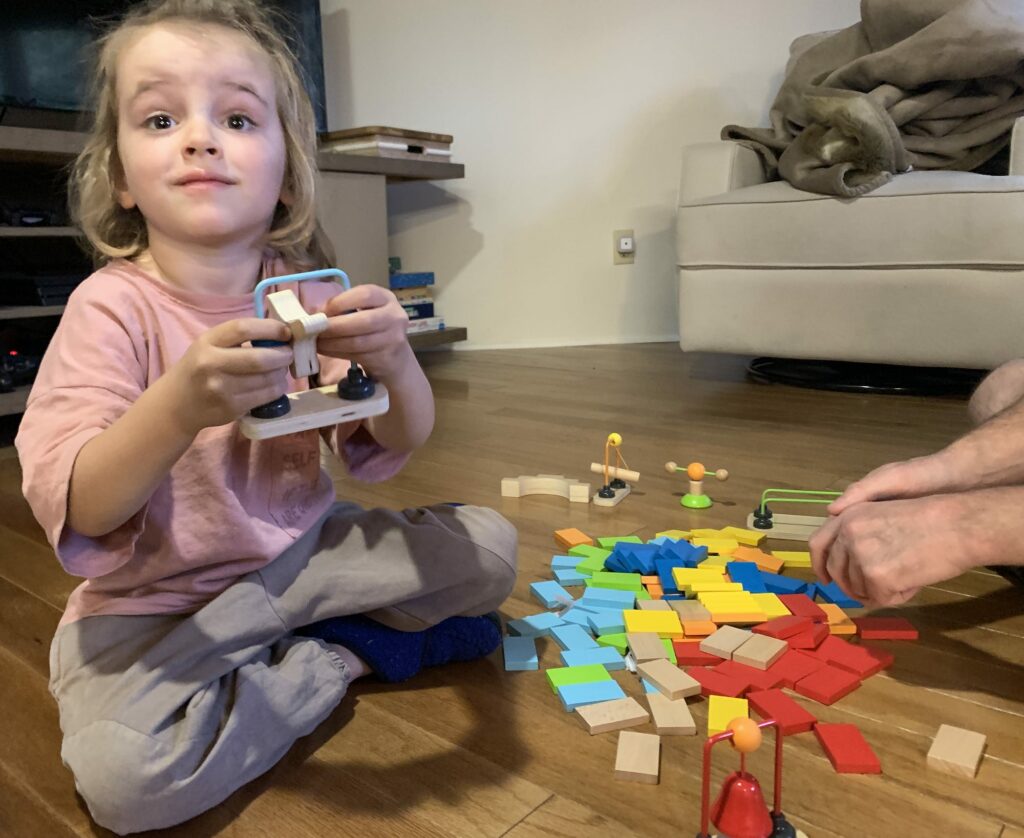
{"points": [[16, 370], [43, 45], [38, 289]]}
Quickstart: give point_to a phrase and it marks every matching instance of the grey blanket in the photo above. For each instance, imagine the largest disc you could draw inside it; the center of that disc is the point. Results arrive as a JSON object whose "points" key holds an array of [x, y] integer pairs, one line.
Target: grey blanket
{"points": [[923, 84]]}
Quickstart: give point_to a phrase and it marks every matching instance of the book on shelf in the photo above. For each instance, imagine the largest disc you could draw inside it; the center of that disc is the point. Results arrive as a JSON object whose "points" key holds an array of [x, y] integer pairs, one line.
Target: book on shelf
{"points": [[424, 324], [420, 309], [384, 141], [401, 281]]}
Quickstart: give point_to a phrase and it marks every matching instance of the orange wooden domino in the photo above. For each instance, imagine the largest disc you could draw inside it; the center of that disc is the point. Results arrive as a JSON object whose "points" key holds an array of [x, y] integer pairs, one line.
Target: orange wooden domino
{"points": [[572, 537]]}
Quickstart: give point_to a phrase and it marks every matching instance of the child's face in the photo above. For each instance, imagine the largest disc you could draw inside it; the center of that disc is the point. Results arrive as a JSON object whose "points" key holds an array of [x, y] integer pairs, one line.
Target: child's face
{"points": [[199, 137]]}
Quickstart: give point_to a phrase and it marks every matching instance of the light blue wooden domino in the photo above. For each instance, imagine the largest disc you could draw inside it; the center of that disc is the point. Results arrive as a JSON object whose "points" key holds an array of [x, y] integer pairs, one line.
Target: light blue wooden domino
{"points": [[605, 655], [608, 598], [578, 695], [550, 593], [569, 577], [578, 615], [573, 638], [536, 625], [607, 621], [648, 686], [521, 654], [564, 562]]}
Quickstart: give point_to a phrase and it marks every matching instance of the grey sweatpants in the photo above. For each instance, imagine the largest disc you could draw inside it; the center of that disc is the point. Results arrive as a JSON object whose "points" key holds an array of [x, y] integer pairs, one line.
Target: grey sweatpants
{"points": [[166, 715]]}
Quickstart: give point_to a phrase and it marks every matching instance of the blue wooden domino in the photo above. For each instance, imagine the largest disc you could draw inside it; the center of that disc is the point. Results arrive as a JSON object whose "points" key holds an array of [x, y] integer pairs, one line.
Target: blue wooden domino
{"points": [[607, 621], [748, 575], [776, 583], [834, 594], [608, 598], [608, 657], [578, 615], [536, 625], [550, 593], [573, 638], [569, 577], [521, 654], [663, 567], [579, 695], [564, 562]]}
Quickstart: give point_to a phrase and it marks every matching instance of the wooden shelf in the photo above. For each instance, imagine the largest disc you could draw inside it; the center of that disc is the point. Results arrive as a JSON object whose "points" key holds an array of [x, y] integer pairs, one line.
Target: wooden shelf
{"points": [[27, 312], [14, 402], [36, 232], [394, 168], [39, 144], [425, 340]]}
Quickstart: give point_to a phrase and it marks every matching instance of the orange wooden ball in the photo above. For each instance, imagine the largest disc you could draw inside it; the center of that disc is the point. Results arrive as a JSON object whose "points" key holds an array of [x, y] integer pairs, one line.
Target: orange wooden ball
{"points": [[746, 735], [695, 471]]}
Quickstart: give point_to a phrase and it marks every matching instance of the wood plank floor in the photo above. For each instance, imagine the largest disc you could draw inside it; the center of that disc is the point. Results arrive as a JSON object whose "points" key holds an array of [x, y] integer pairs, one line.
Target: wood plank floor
{"points": [[470, 750]]}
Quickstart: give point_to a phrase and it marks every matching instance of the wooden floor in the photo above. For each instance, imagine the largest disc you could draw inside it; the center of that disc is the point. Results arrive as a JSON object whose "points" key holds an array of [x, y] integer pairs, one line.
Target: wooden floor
{"points": [[470, 750]]}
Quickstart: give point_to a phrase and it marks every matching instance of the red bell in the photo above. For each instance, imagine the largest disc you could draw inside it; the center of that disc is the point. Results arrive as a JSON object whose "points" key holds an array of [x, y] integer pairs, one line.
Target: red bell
{"points": [[740, 810]]}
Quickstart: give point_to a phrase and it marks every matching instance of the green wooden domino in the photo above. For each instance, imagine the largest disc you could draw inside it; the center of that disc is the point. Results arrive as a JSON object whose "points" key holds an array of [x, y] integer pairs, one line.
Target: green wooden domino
{"points": [[670, 648], [642, 594], [617, 641], [616, 581], [590, 565], [589, 672], [610, 541], [588, 551]]}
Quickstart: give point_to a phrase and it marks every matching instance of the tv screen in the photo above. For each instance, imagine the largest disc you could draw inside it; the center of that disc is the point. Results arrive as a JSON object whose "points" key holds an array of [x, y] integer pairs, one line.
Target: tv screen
{"points": [[44, 55]]}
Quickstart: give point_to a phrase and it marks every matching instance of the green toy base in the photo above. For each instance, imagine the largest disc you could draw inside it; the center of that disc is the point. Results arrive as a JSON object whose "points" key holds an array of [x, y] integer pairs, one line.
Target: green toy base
{"points": [[695, 501]]}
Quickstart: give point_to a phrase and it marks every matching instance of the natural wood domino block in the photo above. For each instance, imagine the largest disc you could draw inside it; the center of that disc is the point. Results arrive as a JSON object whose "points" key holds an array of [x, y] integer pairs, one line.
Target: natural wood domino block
{"points": [[668, 678], [652, 604], [638, 757], [612, 715], [689, 609], [725, 641], [760, 651], [646, 646], [671, 718], [956, 751]]}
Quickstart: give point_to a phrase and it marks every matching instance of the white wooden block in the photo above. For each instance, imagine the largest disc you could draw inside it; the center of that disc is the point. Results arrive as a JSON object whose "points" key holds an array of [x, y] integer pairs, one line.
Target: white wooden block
{"points": [[956, 751]]}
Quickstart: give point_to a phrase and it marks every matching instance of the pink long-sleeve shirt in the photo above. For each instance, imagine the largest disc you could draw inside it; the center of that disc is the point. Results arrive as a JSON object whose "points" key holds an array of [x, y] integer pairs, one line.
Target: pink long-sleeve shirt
{"points": [[229, 506]]}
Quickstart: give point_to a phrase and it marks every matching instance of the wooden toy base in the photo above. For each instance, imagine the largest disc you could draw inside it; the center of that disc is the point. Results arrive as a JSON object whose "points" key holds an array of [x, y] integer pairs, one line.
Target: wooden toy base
{"points": [[545, 484], [316, 408], [788, 527], [620, 495]]}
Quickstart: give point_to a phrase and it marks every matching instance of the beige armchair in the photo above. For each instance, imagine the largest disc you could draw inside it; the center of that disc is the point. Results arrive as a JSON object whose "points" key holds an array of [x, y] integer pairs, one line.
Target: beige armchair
{"points": [[927, 270]]}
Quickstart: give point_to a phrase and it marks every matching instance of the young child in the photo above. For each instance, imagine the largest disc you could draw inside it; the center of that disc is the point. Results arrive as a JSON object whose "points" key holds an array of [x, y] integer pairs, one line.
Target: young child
{"points": [[229, 600]]}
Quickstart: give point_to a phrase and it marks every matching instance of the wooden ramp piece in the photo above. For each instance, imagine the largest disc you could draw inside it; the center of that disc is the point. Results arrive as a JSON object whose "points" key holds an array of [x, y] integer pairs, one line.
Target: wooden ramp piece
{"points": [[545, 484], [638, 757]]}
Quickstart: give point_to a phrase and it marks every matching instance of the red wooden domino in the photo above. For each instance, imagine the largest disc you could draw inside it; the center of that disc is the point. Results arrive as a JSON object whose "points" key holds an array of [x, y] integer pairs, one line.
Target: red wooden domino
{"points": [[809, 639], [802, 605], [885, 628], [775, 704], [846, 749], [783, 627], [862, 661], [794, 666], [690, 654], [716, 683], [737, 671], [756, 679], [828, 684]]}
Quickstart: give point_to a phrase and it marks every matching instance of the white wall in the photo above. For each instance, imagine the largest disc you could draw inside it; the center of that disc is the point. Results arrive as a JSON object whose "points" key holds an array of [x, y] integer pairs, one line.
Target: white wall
{"points": [[569, 116]]}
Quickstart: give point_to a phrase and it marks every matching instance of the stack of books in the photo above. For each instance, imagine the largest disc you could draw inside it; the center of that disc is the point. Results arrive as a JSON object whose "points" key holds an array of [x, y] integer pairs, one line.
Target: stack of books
{"points": [[415, 293]]}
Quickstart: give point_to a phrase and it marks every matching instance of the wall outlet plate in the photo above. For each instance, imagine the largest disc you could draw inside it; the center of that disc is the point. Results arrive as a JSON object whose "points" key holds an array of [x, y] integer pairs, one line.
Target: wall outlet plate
{"points": [[622, 258]]}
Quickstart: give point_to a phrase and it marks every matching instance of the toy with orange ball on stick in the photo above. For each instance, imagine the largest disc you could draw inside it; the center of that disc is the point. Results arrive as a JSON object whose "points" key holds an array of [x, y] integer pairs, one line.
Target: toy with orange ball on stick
{"points": [[740, 810], [695, 498]]}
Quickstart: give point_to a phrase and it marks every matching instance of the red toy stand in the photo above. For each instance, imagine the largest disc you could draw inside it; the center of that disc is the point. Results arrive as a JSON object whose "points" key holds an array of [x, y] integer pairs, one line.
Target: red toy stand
{"points": [[740, 810]]}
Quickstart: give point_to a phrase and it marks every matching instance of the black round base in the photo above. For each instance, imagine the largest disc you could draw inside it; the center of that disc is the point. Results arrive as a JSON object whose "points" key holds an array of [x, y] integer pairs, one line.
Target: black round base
{"points": [[356, 386], [851, 377], [272, 410]]}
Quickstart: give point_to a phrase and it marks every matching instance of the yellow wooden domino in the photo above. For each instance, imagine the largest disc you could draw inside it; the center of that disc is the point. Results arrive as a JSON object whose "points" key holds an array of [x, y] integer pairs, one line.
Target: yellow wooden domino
{"points": [[663, 623], [771, 605], [722, 546], [748, 538], [793, 558], [676, 535], [722, 710]]}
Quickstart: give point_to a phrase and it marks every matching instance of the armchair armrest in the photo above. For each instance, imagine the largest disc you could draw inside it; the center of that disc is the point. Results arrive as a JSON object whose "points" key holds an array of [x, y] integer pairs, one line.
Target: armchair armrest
{"points": [[1017, 148], [713, 168]]}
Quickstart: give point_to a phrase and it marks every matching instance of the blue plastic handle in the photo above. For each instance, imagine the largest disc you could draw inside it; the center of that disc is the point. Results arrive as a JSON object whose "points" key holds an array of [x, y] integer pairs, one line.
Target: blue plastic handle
{"points": [[281, 280]]}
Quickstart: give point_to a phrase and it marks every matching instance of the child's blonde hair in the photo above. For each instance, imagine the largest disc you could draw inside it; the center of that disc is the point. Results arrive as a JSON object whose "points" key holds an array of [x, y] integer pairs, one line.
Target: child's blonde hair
{"points": [[115, 232]]}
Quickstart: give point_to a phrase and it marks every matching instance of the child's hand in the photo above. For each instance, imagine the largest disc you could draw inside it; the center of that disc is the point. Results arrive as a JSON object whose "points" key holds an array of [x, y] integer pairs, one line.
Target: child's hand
{"points": [[367, 324], [218, 379]]}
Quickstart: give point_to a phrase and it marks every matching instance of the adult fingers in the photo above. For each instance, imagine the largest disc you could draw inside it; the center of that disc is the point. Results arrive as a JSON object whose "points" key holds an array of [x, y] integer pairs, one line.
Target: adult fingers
{"points": [[819, 544], [368, 296]]}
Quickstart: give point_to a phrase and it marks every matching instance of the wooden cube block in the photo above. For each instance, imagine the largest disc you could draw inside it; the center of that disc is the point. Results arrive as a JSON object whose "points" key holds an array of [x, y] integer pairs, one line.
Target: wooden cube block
{"points": [[725, 641], [668, 678], [671, 718], [956, 751], [760, 651], [612, 715], [638, 757]]}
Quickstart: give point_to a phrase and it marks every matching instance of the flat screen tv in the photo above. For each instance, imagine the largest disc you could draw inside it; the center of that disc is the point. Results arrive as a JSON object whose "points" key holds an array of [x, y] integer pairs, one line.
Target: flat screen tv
{"points": [[44, 55]]}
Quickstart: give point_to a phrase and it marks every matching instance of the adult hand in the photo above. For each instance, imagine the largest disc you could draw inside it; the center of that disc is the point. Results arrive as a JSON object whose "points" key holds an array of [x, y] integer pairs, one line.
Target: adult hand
{"points": [[914, 478], [883, 552], [367, 324], [220, 378]]}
